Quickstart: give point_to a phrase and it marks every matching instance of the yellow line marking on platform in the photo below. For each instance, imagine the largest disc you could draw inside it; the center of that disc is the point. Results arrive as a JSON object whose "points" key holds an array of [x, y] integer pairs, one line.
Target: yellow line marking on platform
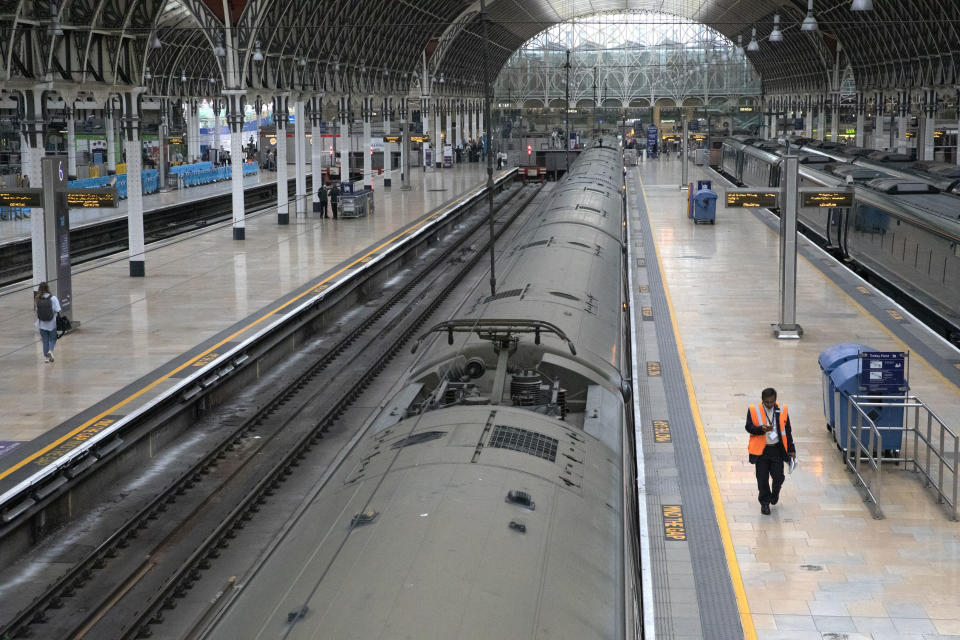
{"points": [[746, 618]]}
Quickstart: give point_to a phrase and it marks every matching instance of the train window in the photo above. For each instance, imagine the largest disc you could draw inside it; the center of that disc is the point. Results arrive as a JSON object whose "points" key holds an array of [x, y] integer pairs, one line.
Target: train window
{"points": [[524, 441], [567, 296], [418, 438]]}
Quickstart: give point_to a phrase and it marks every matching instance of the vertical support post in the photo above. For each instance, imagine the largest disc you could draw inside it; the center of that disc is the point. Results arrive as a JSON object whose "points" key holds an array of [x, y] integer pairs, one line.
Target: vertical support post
{"points": [[449, 141], [110, 126], [345, 141], [316, 146], [566, 114], [459, 126], [300, 154], [878, 104], [281, 120], [404, 146], [925, 148], [903, 105], [835, 117], [387, 146], [367, 113], [861, 119], [822, 120], [56, 222], [438, 148], [235, 122], [163, 133], [958, 164], [132, 146], [487, 90], [71, 141], [216, 130], [683, 151], [787, 327], [808, 117]]}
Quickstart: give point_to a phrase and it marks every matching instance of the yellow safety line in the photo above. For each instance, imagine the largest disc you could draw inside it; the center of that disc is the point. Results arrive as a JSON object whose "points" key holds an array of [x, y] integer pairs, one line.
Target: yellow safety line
{"points": [[746, 619], [199, 356]]}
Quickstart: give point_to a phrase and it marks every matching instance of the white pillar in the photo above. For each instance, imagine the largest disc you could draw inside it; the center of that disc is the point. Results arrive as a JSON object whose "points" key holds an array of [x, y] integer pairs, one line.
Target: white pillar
{"points": [[481, 130], [235, 120], [110, 126], [438, 148], [387, 146], [861, 120], [404, 143], [71, 144], [365, 147], [216, 128], [346, 142], [425, 121], [460, 124], [450, 125], [822, 120], [958, 128], [300, 153], [808, 117], [281, 120], [834, 118], [878, 137], [902, 110], [316, 146], [132, 145], [928, 125]]}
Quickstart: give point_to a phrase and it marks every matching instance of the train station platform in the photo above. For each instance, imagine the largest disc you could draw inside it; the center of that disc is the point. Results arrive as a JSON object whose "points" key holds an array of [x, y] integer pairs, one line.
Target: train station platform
{"points": [[820, 566], [138, 334], [12, 231]]}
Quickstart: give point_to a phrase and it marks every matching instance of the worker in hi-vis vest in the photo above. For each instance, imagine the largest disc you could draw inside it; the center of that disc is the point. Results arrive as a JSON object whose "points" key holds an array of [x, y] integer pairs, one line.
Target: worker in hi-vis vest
{"points": [[771, 444]]}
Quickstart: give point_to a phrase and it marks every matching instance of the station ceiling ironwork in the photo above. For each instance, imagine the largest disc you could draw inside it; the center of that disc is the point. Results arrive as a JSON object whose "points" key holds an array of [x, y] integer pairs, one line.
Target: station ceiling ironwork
{"points": [[380, 47]]}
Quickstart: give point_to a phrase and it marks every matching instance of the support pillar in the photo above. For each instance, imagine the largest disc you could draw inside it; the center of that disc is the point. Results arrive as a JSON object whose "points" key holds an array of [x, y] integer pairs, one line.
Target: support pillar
{"points": [[473, 122], [316, 147], [163, 134], [235, 104], [110, 126], [387, 146], [861, 117], [31, 153], [928, 125], [957, 154], [366, 111], [822, 120], [878, 108], [133, 147], [281, 121], [438, 148], [459, 109], [449, 140], [808, 117], [300, 155], [404, 146], [346, 142], [903, 105], [481, 132], [425, 121], [835, 118], [71, 142], [216, 130], [192, 117]]}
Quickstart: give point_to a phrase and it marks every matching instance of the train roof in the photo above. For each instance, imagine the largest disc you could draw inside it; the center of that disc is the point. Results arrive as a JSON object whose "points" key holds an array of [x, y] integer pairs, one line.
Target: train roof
{"points": [[859, 174], [884, 157], [899, 186]]}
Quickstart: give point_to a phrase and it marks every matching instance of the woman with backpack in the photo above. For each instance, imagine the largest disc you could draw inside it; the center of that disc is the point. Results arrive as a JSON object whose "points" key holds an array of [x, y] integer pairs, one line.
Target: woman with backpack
{"points": [[47, 307]]}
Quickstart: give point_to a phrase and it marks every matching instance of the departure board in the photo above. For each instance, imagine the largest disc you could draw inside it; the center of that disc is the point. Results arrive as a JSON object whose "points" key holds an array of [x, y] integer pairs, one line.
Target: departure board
{"points": [[91, 198], [826, 199], [740, 198], [21, 198], [420, 138], [392, 138]]}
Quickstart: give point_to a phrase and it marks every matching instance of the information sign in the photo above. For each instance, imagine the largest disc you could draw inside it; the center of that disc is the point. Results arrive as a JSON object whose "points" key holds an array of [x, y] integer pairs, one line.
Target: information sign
{"points": [[422, 137], [21, 198], [393, 139], [91, 198], [651, 138], [820, 198], [752, 198], [883, 372]]}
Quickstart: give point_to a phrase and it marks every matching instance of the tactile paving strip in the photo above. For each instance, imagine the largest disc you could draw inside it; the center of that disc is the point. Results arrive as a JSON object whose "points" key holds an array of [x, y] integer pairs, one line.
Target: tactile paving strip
{"points": [[719, 618]]}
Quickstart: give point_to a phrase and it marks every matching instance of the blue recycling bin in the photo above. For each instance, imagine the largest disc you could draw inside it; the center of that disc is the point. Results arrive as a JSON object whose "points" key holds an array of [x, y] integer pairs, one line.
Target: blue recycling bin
{"points": [[704, 206], [830, 360], [845, 378]]}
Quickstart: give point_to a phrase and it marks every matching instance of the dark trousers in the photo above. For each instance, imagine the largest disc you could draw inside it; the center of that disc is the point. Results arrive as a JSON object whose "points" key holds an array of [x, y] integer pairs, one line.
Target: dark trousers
{"points": [[770, 465], [333, 207]]}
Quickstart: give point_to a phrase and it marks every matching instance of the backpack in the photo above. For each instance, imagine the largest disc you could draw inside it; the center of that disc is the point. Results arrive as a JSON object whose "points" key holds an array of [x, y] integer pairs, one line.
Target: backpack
{"points": [[63, 325], [45, 309]]}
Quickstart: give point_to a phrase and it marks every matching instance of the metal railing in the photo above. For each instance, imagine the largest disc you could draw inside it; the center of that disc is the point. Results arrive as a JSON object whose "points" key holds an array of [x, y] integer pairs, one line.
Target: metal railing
{"points": [[928, 447]]}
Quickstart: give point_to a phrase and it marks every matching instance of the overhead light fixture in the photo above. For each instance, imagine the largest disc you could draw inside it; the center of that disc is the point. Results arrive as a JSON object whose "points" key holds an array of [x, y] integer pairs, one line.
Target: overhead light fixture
{"points": [[809, 23], [302, 61], [183, 76], [441, 78], [861, 5], [336, 63], [147, 75], [753, 45], [258, 54], [739, 49], [212, 79], [218, 49], [776, 35], [156, 42], [386, 71]]}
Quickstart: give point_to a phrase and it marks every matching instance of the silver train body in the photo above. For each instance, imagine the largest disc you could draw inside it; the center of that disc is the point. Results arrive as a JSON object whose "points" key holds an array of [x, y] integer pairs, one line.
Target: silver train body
{"points": [[494, 495], [904, 230]]}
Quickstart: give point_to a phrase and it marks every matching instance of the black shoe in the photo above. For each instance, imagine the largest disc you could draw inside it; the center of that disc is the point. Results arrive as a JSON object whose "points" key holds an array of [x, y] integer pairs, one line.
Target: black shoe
{"points": [[765, 509], [775, 500]]}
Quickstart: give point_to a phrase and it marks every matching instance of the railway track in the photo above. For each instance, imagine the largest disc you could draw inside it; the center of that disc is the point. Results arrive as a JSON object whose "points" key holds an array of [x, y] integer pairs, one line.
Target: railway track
{"points": [[110, 237], [125, 586]]}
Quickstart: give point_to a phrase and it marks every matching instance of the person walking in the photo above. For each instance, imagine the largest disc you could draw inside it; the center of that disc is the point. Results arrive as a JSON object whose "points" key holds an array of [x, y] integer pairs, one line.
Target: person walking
{"points": [[770, 445], [47, 307], [322, 197], [334, 200]]}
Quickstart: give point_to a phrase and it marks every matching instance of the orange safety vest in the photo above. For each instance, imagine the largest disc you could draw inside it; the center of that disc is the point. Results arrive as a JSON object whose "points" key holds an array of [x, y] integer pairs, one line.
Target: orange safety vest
{"points": [[759, 418]]}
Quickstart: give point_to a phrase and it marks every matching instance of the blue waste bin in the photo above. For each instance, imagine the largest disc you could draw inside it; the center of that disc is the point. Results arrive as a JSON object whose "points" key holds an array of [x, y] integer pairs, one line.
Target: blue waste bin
{"points": [[704, 206], [830, 360], [889, 420]]}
